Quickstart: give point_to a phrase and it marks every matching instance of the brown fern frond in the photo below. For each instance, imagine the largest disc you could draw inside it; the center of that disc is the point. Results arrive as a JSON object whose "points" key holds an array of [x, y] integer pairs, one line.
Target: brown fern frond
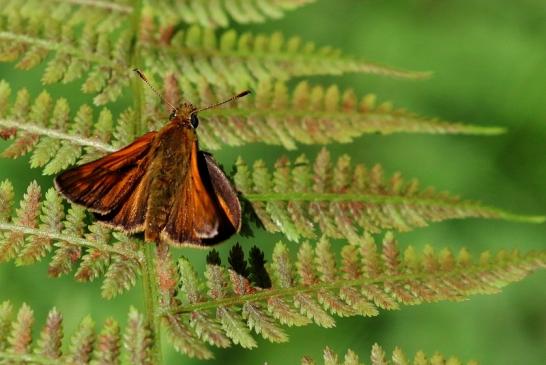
{"points": [[334, 198], [319, 285]]}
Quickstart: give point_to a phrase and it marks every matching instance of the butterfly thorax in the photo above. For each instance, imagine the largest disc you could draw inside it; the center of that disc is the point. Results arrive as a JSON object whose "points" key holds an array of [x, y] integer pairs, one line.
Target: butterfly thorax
{"points": [[167, 173]]}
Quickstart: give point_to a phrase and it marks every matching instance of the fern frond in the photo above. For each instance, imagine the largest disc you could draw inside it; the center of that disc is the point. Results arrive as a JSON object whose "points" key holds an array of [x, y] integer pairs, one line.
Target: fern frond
{"points": [[195, 53], [338, 199], [242, 60], [93, 54], [29, 236], [378, 356], [274, 117], [318, 285], [217, 13], [104, 15], [307, 114], [84, 347], [57, 139]]}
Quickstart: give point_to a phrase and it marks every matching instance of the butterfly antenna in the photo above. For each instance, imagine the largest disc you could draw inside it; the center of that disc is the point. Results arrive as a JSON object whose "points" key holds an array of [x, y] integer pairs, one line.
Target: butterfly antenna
{"points": [[240, 95], [141, 75]]}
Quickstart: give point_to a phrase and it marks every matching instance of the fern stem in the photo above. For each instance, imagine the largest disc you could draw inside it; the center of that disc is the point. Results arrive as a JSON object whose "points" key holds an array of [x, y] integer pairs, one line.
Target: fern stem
{"points": [[149, 272], [107, 5], [151, 299], [44, 131], [478, 210], [71, 239], [261, 296]]}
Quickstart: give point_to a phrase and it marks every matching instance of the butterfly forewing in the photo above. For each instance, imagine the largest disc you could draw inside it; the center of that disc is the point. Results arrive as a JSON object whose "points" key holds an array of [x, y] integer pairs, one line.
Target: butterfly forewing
{"points": [[130, 214], [104, 184]]}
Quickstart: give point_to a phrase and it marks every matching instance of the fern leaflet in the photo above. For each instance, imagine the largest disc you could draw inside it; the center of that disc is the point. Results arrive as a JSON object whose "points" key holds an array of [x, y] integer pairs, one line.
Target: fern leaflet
{"points": [[217, 13], [30, 236], [378, 356], [86, 346]]}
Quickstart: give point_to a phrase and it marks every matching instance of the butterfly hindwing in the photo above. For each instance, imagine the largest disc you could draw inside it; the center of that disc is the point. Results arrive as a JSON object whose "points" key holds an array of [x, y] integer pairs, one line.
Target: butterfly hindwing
{"points": [[207, 210], [223, 190], [103, 184]]}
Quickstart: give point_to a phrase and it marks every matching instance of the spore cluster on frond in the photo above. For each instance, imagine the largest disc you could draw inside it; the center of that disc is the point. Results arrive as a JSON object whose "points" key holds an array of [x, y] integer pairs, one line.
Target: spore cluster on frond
{"points": [[87, 345], [225, 307], [378, 356], [39, 227], [303, 199]]}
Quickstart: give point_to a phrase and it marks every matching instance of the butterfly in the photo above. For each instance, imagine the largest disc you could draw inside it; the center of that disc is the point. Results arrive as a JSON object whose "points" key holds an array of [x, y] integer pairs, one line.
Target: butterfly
{"points": [[161, 184]]}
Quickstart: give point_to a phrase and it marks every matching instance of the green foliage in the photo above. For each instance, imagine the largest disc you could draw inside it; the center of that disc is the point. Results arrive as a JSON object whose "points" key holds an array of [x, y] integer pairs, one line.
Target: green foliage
{"points": [[176, 43], [379, 357], [310, 116], [337, 199], [85, 346], [217, 13]]}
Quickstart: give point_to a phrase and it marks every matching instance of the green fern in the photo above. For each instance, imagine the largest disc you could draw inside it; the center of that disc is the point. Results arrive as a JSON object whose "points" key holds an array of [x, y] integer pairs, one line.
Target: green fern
{"points": [[379, 357], [217, 13], [338, 199], [39, 124], [85, 346], [98, 43], [195, 54]]}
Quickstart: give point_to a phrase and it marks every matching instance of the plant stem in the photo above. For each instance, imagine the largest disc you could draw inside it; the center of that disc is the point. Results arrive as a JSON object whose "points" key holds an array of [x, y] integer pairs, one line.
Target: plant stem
{"points": [[149, 272], [151, 299]]}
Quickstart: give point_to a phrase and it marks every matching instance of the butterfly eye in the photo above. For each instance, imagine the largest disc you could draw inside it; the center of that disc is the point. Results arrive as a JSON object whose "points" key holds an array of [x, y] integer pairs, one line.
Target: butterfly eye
{"points": [[173, 114], [194, 121]]}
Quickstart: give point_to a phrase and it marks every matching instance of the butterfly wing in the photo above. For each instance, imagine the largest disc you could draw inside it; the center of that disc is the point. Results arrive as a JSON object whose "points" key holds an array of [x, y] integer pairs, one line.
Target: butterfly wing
{"points": [[130, 213], [102, 184], [224, 191], [207, 210]]}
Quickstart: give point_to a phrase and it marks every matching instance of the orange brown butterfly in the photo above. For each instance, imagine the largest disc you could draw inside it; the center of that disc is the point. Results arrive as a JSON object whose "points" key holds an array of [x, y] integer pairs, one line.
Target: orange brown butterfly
{"points": [[161, 184]]}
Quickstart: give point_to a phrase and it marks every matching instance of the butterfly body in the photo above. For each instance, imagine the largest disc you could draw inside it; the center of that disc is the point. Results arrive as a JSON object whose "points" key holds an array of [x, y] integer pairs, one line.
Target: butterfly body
{"points": [[161, 185]]}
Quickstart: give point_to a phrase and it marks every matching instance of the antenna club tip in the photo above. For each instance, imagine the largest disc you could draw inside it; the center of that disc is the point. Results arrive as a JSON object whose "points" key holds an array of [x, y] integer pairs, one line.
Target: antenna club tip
{"points": [[244, 93], [139, 73]]}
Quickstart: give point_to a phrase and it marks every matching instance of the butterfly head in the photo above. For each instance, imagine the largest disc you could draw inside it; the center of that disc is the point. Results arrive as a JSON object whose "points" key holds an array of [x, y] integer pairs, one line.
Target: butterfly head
{"points": [[185, 115]]}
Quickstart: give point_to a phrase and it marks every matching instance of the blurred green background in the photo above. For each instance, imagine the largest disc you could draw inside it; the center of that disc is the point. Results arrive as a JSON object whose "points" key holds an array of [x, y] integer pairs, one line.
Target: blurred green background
{"points": [[488, 59]]}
